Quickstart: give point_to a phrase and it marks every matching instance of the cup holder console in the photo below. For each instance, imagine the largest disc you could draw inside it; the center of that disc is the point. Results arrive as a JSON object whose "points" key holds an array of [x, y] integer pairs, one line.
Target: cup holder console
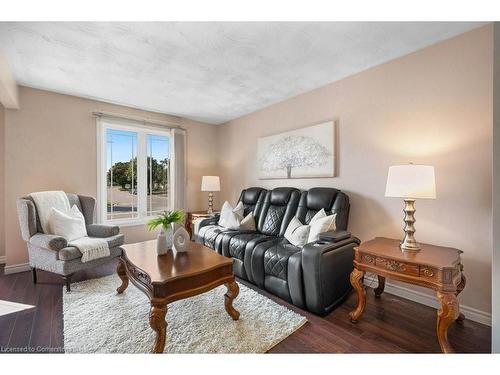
{"points": [[321, 243]]}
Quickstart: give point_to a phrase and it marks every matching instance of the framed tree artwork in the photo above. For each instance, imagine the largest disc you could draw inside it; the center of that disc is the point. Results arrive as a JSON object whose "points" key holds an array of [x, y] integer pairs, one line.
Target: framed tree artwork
{"points": [[303, 153]]}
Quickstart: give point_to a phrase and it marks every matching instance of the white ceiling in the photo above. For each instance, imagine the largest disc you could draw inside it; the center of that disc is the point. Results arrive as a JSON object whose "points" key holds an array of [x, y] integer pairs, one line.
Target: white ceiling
{"points": [[210, 71]]}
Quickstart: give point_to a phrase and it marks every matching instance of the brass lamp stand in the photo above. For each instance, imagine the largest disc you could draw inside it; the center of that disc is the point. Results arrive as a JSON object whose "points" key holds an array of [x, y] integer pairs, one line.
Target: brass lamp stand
{"points": [[210, 202], [409, 243]]}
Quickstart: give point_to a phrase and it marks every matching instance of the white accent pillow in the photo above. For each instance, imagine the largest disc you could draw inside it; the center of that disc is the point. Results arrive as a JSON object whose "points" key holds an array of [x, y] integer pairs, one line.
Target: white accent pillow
{"points": [[296, 233], [321, 225], [69, 225], [230, 217], [248, 223], [319, 215], [239, 209]]}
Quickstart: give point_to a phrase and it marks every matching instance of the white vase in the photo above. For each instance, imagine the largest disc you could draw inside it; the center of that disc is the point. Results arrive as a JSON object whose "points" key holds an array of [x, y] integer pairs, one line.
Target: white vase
{"points": [[169, 234], [164, 240]]}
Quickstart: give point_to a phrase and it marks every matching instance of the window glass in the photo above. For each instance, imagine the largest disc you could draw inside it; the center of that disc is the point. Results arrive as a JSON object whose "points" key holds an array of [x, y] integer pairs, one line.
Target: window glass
{"points": [[121, 166], [158, 172]]}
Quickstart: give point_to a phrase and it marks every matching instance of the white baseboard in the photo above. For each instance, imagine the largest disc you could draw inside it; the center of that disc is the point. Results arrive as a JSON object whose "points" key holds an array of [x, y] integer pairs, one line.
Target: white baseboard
{"points": [[2, 259], [428, 300], [15, 268]]}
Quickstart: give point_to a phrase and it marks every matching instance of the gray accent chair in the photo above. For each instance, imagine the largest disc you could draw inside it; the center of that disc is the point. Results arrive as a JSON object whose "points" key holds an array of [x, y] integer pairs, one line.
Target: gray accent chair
{"points": [[51, 253]]}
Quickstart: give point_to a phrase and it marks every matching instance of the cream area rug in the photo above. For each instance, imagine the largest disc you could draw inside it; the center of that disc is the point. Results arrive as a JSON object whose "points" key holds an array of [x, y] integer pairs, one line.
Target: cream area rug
{"points": [[98, 320]]}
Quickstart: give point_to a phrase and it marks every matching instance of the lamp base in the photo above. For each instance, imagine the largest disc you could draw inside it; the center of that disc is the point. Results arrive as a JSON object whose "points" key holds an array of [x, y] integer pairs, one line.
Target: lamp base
{"points": [[409, 243], [210, 209]]}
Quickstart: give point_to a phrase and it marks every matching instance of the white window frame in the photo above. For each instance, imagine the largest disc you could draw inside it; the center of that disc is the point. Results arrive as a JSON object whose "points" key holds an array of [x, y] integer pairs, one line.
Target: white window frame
{"points": [[142, 129]]}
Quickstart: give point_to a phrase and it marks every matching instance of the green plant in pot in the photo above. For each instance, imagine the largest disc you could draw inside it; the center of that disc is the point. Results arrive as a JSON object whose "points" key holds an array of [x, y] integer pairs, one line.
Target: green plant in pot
{"points": [[165, 221]]}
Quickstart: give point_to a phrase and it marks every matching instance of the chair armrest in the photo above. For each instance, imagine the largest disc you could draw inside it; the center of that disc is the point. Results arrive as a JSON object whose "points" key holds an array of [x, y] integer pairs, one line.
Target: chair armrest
{"points": [[48, 241], [326, 269], [102, 231]]}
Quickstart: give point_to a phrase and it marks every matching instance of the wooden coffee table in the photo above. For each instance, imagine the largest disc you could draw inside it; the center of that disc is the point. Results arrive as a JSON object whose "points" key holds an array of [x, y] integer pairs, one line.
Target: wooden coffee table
{"points": [[174, 276]]}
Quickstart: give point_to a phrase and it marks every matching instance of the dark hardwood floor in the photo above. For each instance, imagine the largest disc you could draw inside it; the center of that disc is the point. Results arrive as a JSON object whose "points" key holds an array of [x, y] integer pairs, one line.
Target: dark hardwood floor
{"points": [[389, 325]]}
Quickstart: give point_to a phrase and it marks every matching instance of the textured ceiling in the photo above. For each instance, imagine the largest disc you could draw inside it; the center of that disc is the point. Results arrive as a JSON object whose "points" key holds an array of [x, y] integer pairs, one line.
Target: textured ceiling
{"points": [[212, 72]]}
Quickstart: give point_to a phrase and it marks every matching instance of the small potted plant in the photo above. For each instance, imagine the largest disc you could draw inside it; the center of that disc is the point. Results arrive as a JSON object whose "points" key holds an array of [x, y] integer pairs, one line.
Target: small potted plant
{"points": [[165, 220]]}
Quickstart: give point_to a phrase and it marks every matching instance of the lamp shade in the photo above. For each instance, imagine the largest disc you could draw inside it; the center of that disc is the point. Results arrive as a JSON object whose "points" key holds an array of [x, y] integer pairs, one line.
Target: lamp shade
{"points": [[210, 183], [411, 181]]}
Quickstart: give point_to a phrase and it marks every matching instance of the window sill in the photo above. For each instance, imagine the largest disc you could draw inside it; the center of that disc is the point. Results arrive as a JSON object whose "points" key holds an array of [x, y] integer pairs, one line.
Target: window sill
{"points": [[128, 223]]}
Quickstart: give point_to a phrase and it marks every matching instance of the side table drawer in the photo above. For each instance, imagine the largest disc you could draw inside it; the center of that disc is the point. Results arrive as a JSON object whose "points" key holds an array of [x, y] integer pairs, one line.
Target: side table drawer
{"points": [[391, 265]]}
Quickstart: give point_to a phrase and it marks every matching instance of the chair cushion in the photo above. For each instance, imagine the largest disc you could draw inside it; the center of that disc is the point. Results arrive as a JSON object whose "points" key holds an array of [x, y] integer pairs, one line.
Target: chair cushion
{"points": [[276, 259], [238, 243], [209, 234], [70, 252]]}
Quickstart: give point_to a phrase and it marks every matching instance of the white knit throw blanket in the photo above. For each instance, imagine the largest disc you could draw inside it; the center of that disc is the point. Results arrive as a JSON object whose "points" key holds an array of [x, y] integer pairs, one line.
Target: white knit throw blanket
{"points": [[45, 201], [91, 248]]}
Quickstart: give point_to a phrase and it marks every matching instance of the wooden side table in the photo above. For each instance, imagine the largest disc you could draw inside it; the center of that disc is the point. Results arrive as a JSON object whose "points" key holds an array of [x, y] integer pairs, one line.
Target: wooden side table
{"points": [[192, 216], [433, 267]]}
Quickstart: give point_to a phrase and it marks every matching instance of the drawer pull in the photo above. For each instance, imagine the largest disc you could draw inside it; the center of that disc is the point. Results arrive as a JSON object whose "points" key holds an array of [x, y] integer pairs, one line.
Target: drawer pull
{"points": [[427, 272]]}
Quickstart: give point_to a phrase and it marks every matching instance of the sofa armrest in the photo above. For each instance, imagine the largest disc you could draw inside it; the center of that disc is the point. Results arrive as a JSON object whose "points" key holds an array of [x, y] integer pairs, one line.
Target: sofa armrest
{"points": [[209, 221], [200, 223], [48, 241], [326, 269], [102, 231]]}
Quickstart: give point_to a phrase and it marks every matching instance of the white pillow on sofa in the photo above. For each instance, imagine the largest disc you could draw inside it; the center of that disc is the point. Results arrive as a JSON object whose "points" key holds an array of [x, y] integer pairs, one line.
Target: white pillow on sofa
{"points": [[230, 217], [248, 223], [70, 225], [296, 233], [321, 225], [319, 215]]}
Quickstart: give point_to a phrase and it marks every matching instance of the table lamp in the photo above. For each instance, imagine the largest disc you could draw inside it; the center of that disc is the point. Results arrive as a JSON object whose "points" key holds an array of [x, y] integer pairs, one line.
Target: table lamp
{"points": [[210, 184], [410, 182]]}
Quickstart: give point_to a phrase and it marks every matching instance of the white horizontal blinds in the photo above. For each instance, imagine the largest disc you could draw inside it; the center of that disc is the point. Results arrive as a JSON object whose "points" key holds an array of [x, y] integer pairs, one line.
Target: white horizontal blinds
{"points": [[179, 170], [136, 170]]}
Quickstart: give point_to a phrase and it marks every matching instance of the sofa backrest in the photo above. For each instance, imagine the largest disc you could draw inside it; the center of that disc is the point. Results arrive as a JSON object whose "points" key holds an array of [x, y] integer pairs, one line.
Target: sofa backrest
{"points": [[332, 200], [280, 206], [253, 199]]}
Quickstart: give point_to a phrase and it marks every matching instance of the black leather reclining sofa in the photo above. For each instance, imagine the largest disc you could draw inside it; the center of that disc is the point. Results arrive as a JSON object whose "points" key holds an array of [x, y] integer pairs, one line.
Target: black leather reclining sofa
{"points": [[314, 277]]}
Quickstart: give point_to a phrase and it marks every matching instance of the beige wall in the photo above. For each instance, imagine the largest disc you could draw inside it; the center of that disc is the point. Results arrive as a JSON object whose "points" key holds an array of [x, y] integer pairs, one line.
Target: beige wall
{"points": [[2, 146], [433, 106], [496, 193], [50, 143]]}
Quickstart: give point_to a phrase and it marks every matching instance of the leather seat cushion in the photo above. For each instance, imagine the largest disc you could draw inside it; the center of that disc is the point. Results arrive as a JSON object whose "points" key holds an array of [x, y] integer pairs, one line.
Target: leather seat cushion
{"points": [[210, 234], [276, 259], [70, 252], [238, 243]]}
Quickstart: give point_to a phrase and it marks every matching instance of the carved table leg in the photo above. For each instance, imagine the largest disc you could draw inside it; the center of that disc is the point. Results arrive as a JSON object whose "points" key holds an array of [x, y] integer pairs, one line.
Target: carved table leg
{"points": [[460, 287], [381, 285], [447, 314], [158, 323], [123, 276], [232, 292], [357, 283]]}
